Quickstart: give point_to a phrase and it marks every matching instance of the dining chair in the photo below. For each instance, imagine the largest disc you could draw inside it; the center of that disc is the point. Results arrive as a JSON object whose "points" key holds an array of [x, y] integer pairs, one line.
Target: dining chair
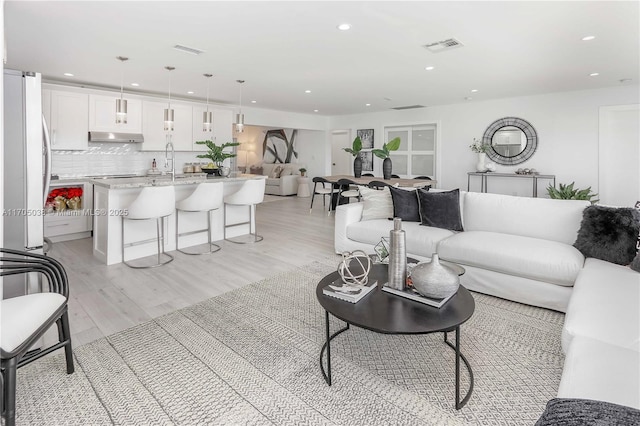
{"points": [[326, 188], [378, 184], [25, 319], [351, 190], [423, 177], [367, 175], [395, 176]]}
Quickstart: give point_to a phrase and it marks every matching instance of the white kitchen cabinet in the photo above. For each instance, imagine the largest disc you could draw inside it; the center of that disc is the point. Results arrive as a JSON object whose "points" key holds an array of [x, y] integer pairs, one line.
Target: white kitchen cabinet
{"points": [[69, 120], [222, 127], [102, 115], [155, 137]]}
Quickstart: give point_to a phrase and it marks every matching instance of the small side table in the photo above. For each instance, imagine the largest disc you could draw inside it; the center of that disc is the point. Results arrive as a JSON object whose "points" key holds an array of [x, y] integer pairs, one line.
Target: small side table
{"points": [[303, 187]]}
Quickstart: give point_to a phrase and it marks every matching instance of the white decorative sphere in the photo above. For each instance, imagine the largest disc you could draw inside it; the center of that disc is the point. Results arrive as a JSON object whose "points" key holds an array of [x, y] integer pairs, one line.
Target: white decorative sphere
{"points": [[490, 167], [355, 267]]}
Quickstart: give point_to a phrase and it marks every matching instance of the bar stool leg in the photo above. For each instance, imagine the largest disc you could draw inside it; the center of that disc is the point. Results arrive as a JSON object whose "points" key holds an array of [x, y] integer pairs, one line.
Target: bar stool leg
{"points": [[212, 247], [160, 243]]}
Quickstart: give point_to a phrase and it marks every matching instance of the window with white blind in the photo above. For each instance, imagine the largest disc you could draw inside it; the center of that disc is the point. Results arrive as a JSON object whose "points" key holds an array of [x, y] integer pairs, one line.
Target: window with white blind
{"points": [[417, 153]]}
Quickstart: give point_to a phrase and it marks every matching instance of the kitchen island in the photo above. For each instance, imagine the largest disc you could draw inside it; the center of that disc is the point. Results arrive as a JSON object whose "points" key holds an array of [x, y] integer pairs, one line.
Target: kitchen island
{"points": [[113, 196]]}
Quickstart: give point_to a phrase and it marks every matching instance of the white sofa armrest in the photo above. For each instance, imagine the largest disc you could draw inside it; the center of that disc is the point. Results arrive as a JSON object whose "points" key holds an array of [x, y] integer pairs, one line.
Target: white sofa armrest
{"points": [[289, 184], [346, 214]]}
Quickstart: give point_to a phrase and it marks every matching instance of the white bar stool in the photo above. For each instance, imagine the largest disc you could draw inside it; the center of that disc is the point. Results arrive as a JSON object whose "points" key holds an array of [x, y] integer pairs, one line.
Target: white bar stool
{"points": [[250, 194], [207, 197], [153, 202]]}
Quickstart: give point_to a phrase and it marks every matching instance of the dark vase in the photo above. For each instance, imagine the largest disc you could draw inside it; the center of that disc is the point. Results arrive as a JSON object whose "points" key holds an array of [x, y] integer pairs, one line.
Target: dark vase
{"points": [[357, 166], [386, 168]]}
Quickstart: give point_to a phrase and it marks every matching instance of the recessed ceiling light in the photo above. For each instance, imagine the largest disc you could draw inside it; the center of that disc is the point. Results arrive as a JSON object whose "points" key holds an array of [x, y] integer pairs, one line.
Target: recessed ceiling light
{"points": [[68, 74], [624, 80], [594, 74], [190, 92], [315, 110], [474, 90], [587, 38], [253, 102], [468, 98], [429, 68], [344, 27], [135, 84], [307, 91], [367, 104]]}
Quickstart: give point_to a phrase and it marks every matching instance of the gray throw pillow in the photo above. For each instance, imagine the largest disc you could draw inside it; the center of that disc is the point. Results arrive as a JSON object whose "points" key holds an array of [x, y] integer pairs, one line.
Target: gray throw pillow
{"points": [[405, 204], [584, 412], [609, 233], [440, 209]]}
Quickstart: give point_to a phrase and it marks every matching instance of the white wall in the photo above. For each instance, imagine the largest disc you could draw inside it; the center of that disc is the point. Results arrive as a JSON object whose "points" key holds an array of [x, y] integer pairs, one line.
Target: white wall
{"points": [[311, 147], [1, 127], [566, 123]]}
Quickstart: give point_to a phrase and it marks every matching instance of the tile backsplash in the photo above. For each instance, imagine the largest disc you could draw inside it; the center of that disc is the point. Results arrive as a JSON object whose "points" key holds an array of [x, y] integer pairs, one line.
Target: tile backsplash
{"points": [[111, 159]]}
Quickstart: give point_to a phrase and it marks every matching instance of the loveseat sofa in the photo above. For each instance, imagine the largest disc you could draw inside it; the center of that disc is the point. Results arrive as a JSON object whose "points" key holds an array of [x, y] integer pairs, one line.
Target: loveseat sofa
{"points": [[286, 183], [521, 249]]}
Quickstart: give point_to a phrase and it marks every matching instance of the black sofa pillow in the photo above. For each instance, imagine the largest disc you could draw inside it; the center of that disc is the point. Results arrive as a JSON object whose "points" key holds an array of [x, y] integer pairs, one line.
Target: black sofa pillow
{"points": [[609, 233], [440, 209], [405, 204]]}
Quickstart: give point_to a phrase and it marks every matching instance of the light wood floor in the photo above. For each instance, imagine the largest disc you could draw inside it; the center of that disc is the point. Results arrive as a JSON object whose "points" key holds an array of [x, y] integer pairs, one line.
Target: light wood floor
{"points": [[107, 299]]}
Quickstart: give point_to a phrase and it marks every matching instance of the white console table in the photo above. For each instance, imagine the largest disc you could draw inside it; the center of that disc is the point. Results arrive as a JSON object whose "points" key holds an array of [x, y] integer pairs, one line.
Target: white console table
{"points": [[484, 177]]}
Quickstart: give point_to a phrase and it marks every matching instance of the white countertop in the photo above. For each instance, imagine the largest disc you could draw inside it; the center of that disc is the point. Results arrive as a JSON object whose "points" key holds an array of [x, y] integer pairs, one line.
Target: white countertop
{"points": [[142, 181]]}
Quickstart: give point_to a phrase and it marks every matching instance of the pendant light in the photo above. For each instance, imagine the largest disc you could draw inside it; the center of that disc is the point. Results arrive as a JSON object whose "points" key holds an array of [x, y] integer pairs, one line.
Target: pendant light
{"points": [[168, 112], [121, 104], [240, 115], [207, 117]]}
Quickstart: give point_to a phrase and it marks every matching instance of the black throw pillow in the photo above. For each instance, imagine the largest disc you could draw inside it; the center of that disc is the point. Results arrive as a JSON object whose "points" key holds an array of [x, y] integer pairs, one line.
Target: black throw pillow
{"points": [[440, 209], [609, 233], [405, 204], [582, 412]]}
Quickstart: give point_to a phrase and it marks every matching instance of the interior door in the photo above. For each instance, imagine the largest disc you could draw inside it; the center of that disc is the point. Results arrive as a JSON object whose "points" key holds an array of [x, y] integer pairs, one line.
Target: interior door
{"points": [[341, 161], [619, 159]]}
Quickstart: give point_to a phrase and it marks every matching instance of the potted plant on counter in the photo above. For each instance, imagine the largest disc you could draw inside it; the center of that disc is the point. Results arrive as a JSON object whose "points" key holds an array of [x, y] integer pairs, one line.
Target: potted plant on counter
{"points": [[216, 156], [355, 149], [384, 153]]}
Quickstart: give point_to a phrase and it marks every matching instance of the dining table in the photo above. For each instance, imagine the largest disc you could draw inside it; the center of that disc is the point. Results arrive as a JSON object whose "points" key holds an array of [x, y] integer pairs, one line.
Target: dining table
{"points": [[365, 180]]}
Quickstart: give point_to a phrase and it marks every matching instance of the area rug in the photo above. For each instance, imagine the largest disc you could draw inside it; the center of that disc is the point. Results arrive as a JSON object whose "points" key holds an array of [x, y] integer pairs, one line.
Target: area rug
{"points": [[250, 357]]}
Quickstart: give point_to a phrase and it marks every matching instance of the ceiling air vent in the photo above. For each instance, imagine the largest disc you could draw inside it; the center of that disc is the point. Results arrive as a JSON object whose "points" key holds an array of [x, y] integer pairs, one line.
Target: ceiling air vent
{"points": [[408, 107], [186, 49], [440, 46]]}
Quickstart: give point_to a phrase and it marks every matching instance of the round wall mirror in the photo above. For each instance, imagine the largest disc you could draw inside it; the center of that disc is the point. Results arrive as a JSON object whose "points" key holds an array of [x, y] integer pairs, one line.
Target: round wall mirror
{"points": [[512, 141]]}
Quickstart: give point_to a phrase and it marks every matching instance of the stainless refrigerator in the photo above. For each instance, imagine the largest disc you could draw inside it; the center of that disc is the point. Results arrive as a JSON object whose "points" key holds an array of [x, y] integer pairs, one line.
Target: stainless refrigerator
{"points": [[27, 169]]}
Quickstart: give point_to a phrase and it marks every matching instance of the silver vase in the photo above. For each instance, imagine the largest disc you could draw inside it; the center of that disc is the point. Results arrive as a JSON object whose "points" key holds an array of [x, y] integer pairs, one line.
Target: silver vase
{"points": [[434, 280], [397, 256]]}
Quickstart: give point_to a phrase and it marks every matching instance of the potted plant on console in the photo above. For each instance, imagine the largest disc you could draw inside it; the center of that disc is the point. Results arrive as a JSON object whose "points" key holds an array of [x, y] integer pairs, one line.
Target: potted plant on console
{"points": [[384, 153], [355, 151], [216, 155]]}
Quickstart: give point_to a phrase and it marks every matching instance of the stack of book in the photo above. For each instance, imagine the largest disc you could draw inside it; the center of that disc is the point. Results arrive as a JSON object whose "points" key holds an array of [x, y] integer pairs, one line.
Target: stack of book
{"points": [[348, 292], [412, 294]]}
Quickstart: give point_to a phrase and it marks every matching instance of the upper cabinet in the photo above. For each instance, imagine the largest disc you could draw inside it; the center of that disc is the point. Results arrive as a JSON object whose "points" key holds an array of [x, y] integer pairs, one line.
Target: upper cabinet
{"points": [[68, 119], [222, 127], [155, 137], [102, 115]]}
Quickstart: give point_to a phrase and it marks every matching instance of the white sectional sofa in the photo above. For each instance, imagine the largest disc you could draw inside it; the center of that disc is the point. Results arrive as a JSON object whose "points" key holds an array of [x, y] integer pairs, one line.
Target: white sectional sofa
{"points": [[287, 183], [521, 249], [513, 247]]}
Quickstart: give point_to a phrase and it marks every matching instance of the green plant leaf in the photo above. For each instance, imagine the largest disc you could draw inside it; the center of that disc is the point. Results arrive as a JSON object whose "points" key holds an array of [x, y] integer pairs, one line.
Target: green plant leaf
{"points": [[393, 144], [380, 153], [357, 144]]}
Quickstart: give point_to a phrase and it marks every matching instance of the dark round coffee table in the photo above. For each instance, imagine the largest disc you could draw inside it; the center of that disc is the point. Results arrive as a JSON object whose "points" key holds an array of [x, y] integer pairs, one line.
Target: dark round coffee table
{"points": [[387, 313]]}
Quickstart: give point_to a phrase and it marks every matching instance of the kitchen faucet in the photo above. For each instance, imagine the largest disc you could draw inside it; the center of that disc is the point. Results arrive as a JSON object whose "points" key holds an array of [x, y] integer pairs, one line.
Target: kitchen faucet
{"points": [[173, 158]]}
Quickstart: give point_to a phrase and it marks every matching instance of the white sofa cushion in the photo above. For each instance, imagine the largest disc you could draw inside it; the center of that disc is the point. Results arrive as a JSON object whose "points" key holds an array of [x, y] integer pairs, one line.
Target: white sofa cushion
{"points": [[24, 315], [604, 306], [554, 220], [420, 240], [600, 371], [377, 203], [542, 260]]}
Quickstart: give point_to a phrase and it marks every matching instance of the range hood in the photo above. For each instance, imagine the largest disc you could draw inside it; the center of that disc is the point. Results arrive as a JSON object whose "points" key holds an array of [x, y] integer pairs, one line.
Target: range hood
{"points": [[116, 137]]}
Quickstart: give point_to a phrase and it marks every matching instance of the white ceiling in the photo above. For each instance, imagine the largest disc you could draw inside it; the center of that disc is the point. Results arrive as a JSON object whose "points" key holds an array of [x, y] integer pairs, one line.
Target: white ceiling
{"points": [[282, 49]]}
